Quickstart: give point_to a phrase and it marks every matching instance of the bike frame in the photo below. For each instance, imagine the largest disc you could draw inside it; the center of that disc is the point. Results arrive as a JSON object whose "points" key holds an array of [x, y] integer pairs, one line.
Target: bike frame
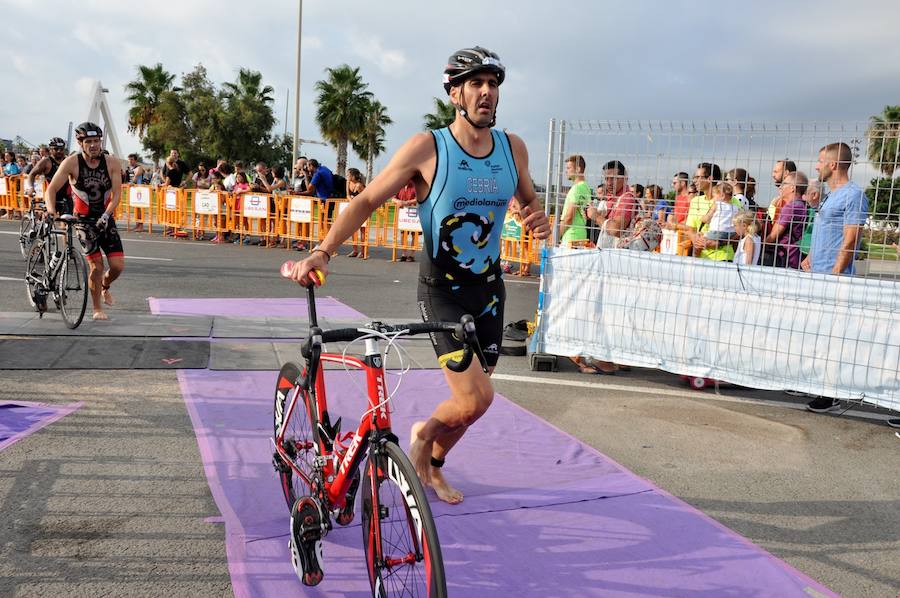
{"points": [[338, 463]]}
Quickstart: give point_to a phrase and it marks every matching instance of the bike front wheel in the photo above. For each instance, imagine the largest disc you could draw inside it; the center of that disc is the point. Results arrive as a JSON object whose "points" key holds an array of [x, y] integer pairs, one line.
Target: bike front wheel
{"points": [[295, 426], [34, 278], [400, 539], [26, 234], [72, 288]]}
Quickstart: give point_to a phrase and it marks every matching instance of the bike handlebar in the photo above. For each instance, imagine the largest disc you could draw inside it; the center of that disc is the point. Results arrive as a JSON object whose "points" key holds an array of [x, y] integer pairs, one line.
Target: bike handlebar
{"points": [[464, 330]]}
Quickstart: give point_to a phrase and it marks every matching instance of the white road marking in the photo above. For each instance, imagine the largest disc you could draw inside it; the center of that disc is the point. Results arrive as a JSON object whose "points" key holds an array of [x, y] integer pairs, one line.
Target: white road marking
{"points": [[20, 279], [154, 259], [667, 392], [9, 232], [520, 280]]}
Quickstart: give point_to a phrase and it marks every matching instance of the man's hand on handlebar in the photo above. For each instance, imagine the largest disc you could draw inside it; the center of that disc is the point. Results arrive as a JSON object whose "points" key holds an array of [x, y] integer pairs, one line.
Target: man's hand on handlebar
{"points": [[304, 271]]}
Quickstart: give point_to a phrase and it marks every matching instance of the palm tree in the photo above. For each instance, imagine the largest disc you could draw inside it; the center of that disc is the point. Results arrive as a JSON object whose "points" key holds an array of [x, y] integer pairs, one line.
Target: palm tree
{"points": [[248, 115], [145, 94], [884, 140], [370, 143], [248, 88], [444, 114], [342, 107]]}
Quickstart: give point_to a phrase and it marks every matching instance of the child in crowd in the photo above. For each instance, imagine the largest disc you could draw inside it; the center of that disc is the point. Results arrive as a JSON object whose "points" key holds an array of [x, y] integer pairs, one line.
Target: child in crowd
{"points": [[750, 246], [721, 214]]}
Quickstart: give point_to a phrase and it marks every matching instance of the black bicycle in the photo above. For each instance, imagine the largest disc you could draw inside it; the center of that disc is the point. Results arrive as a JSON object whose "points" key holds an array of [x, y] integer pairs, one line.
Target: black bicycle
{"points": [[57, 270], [28, 228]]}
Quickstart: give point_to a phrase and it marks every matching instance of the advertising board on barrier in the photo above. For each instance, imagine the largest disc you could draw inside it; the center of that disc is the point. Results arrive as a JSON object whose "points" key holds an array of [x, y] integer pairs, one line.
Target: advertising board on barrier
{"points": [[408, 220], [139, 196], [206, 202], [255, 206], [669, 243], [3, 190], [301, 210], [171, 199], [341, 207], [511, 229]]}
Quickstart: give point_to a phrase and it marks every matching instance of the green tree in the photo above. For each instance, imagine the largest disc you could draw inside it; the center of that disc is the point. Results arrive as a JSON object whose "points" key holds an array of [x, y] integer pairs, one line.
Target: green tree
{"points": [[205, 113], [884, 140], [884, 199], [370, 142], [248, 117], [341, 110], [145, 94], [170, 129], [444, 114]]}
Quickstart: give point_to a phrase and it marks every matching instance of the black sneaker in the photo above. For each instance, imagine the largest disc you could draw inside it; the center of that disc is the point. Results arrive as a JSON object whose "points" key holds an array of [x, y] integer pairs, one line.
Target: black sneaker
{"points": [[823, 405], [894, 422], [306, 540]]}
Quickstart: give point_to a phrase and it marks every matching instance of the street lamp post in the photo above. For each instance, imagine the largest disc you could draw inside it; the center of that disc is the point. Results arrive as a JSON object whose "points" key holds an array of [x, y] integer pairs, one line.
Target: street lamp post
{"points": [[297, 87]]}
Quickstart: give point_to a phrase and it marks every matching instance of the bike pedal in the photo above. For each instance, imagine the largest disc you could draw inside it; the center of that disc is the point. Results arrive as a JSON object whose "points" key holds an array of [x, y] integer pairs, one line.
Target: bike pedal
{"points": [[306, 540]]}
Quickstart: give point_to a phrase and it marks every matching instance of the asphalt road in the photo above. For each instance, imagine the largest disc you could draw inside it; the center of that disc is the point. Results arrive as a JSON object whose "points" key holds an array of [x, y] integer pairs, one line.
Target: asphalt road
{"points": [[111, 500]]}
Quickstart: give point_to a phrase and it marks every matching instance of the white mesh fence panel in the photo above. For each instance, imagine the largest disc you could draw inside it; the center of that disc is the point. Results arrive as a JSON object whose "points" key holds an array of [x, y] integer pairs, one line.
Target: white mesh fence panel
{"points": [[772, 327]]}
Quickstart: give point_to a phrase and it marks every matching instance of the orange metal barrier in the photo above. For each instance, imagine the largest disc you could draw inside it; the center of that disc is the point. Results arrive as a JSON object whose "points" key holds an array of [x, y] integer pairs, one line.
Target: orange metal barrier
{"points": [[207, 212], [407, 231], [278, 220], [171, 209], [11, 198], [138, 205]]}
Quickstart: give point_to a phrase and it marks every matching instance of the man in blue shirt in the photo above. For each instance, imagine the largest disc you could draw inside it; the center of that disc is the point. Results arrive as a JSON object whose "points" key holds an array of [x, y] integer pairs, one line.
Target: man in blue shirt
{"points": [[322, 182], [842, 214]]}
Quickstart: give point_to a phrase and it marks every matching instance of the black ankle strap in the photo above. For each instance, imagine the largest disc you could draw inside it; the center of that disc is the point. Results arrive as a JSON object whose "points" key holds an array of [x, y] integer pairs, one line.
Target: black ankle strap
{"points": [[437, 462]]}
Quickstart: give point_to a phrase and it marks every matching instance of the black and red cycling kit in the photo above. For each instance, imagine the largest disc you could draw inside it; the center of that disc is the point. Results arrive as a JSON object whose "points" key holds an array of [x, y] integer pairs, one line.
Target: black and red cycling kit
{"points": [[92, 193], [64, 195]]}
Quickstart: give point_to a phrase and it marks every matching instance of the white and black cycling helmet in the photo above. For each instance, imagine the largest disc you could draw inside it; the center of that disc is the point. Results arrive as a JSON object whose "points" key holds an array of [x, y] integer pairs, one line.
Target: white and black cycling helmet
{"points": [[57, 142], [88, 130], [465, 63]]}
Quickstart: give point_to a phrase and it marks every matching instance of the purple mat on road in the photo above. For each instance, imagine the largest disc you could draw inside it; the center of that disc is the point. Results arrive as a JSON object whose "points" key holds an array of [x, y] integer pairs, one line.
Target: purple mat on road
{"points": [[251, 308], [19, 419], [544, 515]]}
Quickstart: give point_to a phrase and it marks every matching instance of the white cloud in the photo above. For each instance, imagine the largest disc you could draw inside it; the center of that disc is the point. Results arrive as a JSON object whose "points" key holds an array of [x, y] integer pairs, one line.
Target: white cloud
{"points": [[371, 49], [20, 64]]}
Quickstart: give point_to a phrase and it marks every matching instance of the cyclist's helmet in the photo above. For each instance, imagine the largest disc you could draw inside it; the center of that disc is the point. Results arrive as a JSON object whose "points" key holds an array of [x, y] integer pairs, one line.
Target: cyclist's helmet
{"points": [[87, 130], [57, 142], [464, 63]]}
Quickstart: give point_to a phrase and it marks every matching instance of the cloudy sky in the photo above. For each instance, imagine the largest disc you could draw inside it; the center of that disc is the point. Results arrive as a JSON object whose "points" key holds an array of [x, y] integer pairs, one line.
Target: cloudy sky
{"points": [[691, 60]]}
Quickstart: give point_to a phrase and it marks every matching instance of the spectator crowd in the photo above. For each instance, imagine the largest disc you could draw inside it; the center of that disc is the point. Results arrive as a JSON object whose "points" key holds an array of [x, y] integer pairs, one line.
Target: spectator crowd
{"points": [[815, 225]]}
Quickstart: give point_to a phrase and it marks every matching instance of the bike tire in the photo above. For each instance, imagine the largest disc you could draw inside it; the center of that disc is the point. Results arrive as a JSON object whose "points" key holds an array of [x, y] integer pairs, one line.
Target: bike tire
{"points": [[72, 288], [404, 525], [26, 235], [34, 276], [299, 437]]}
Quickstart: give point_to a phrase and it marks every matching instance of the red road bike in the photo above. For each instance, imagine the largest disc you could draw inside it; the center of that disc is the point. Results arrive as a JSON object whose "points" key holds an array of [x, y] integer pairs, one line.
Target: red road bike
{"points": [[319, 467]]}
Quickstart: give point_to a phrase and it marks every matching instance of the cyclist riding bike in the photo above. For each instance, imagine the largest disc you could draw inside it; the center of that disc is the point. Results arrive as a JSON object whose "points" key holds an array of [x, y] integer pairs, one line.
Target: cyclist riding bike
{"points": [[96, 181], [48, 166], [465, 175]]}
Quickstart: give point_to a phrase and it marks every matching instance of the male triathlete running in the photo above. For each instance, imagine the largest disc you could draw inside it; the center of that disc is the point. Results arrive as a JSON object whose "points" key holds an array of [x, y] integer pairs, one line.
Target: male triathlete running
{"points": [[96, 180], [465, 175], [47, 166]]}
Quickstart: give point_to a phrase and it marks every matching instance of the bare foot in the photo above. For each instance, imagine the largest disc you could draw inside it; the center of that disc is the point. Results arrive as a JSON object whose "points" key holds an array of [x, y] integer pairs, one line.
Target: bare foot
{"points": [[420, 453], [444, 491], [107, 297], [100, 315]]}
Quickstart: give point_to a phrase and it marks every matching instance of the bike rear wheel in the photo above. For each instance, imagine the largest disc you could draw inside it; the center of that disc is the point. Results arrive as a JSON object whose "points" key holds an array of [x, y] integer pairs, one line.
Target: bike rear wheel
{"points": [[298, 438], [34, 278], [72, 288], [403, 554]]}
